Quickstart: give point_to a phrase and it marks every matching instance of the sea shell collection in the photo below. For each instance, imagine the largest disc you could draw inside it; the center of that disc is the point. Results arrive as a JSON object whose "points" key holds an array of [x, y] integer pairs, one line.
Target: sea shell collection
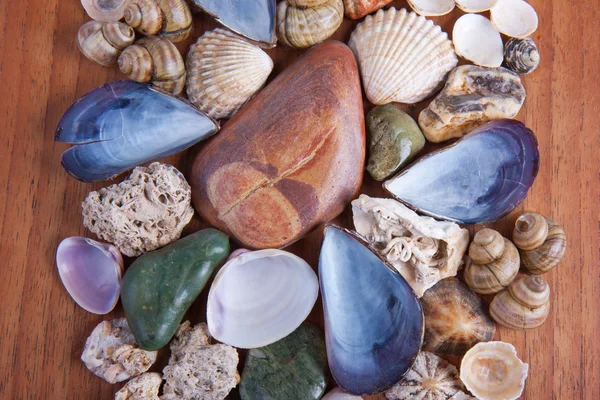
{"points": [[401, 292]]}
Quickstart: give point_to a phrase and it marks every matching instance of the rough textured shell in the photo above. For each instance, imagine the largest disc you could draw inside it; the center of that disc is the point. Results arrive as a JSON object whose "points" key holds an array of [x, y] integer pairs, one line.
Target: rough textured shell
{"points": [[301, 24], [492, 371], [430, 378], [475, 6], [521, 55], [356, 9], [432, 8], [260, 297], [476, 40], [224, 72], [421, 249], [143, 387], [403, 57]]}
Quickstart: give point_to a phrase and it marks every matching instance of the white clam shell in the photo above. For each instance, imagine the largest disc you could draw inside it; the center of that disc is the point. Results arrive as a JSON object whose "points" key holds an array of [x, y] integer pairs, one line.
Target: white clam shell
{"points": [[432, 8], [224, 72], [475, 6], [476, 39], [260, 297], [403, 57], [514, 18]]}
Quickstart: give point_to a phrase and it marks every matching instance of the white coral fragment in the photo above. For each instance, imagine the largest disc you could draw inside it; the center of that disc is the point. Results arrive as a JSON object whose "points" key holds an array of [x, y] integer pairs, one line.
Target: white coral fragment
{"points": [[111, 352], [430, 378], [143, 387], [197, 369], [423, 250], [144, 212]]}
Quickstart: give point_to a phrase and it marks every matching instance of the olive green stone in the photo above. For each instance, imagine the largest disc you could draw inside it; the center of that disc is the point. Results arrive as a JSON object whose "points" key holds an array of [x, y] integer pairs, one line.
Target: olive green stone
{"points": [[160, 286], [394, 140], [294, 368]]}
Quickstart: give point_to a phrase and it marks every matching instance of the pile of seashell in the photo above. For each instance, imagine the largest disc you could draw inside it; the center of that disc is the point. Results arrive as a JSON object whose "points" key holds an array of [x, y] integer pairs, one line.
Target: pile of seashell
{"points": [[290, 158]]}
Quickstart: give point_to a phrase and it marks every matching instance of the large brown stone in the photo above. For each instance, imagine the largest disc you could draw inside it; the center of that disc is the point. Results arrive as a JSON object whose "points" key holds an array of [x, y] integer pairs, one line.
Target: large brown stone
{"points": [[292, 158]]}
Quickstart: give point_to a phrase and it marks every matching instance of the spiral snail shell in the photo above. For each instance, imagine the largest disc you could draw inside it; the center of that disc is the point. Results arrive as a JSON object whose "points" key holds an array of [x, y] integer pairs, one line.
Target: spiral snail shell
{"points": [[103, 42], [524, 305], [171, 19], [521, 55], [154, 60], [494, 262], [302, 23], [541, 242], [105, 10]]}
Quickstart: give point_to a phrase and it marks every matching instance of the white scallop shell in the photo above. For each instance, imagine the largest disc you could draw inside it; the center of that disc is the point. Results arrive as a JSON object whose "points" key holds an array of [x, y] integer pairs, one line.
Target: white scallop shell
{"points": [[432, 8], [260, 297], [224, 72], [476, 39], [403, 57], [475, 6], [514, 18]]}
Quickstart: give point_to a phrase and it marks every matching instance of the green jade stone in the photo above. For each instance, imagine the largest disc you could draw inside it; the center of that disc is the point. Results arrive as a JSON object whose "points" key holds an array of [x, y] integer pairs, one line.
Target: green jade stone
{"points": [[294, 368], [394, 140], [160, 286]]}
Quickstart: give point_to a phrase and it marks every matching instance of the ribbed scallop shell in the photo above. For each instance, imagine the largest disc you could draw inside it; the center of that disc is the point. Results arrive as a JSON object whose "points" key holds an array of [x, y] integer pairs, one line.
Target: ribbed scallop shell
{"points": [[521, 55], [224, 72], [403, 57]]}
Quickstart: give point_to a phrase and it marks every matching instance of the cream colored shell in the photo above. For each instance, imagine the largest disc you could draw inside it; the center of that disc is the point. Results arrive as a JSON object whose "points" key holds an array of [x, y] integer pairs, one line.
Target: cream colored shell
{"points": [[143, 387], [476, 40], [492, 371], [302, 23], [475, 6], [432, 8], [104, 42], [403, 57], [514, 18], [224, 72]]}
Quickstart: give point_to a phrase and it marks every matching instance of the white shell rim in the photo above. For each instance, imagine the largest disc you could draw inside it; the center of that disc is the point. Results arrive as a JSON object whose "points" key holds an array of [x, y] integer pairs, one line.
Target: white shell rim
{"points": [[486, 48], [469, 7], [440, 7], [508, 16]]}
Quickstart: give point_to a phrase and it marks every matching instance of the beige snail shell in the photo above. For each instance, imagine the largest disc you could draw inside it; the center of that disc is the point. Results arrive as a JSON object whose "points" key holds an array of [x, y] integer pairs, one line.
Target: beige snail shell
{"points": [[154, 60], [524, 305], [541, 242], [171, 19], [103, 42], [494, 262]]}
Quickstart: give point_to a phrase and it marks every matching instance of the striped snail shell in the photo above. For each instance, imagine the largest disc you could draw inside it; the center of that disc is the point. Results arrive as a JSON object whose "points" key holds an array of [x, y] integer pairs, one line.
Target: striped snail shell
{"points": [[521, 55], [103, 42]]}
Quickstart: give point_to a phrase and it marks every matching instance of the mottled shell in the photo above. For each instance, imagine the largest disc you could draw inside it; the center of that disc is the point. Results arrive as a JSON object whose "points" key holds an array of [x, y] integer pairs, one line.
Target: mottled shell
{"points": [[494, 262], [302, 23], [432, 8], [521, 55], [403, 57], [171, 19], [104, 42], [455, 318], [525, 305], [356, 9], [224, 72], [154, 60], [541, 241], [492, 371]]}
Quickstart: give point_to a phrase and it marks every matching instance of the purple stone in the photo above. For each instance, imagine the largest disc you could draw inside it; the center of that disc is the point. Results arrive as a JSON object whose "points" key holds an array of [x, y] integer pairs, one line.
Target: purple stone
{"points": [[91, 272], [479, 179]]}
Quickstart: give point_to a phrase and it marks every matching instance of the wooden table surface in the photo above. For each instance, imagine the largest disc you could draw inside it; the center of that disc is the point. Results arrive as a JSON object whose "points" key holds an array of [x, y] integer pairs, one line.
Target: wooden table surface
{"points": [[42, 331]]}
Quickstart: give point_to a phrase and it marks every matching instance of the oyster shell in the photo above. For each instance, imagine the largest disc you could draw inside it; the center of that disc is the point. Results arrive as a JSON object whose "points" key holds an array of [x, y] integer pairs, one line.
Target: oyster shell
{"points": [[260, 297], [126, 124], [421, 249], [475, 6], [476, 40], [514, 18], [521, 55], [431, 378], [224, 72], [254, 19], [455, 318], [492, 371], [373, 320], [356, 9], [432, 8], [403, 57], [479, 179], [91, 272]]}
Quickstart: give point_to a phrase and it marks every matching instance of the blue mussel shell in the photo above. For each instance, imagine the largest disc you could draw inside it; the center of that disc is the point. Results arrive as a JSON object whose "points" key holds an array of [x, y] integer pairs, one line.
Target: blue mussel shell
{"points": [[373, 319], [123, 124], [479, 179]]}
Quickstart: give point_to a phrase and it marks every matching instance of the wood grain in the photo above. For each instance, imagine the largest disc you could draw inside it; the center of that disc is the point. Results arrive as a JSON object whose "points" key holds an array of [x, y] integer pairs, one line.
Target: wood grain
{"points": [[42, 331]]}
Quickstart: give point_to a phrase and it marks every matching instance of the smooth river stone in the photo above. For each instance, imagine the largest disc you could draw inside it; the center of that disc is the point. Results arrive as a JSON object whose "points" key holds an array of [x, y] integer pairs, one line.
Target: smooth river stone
{"points": [[373, 319], [472, 96], [292, 158], [394, 140], [294, 368], [480, 179]]}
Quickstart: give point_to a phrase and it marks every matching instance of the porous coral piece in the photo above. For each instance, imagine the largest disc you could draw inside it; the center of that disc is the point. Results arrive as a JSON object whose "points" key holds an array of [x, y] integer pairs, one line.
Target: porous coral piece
{"points": [[423, 250], [197, 369], [111, 352], [431, 378], [143, 387], [144, 212]]}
